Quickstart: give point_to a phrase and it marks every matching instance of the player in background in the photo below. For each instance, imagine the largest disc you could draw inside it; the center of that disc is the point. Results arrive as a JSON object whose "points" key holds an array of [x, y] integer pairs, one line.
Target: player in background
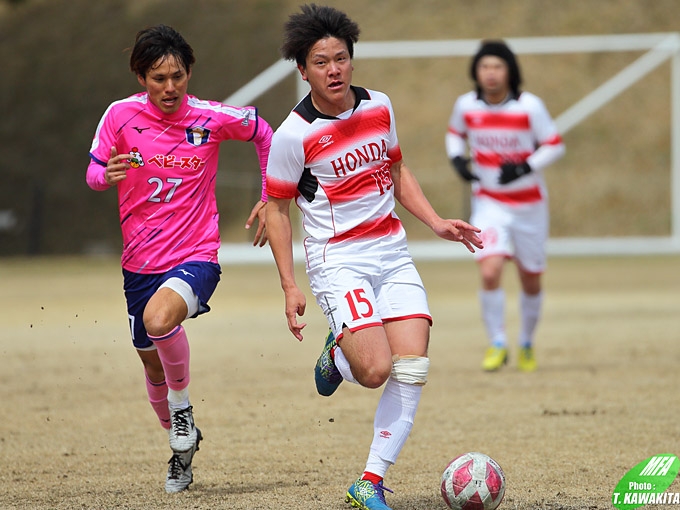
{"points": [[511, 139], [160, 149], [337, 155]]}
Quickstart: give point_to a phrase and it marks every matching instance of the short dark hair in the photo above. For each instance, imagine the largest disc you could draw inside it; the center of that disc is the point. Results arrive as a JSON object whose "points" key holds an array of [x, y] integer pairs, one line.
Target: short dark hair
{"points": [[304, 29], [500, 49], [158, 42]]}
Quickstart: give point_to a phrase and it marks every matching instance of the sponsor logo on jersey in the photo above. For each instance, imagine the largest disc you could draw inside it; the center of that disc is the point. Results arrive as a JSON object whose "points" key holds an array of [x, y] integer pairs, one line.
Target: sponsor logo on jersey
{"points": [[137, 158], [246, 117], [172, 161], [139, 130], [357, 157], [326, 140], [476, 120], [197, 135], [499, 143]]}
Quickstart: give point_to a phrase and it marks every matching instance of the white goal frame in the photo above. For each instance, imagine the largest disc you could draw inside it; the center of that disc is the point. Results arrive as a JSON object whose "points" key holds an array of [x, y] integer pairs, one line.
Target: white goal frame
{"points": [[658, 48]]}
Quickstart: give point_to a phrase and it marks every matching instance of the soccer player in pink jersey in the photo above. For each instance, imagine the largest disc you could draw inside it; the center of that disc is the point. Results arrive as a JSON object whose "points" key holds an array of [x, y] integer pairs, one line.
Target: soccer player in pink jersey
{"points": [[337, 156], [511, 139], [160, 148]]}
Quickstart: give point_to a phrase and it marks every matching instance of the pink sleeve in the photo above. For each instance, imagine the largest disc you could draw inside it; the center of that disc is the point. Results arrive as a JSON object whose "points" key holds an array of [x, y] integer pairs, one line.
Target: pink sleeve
{"points": [[95, 176], [263, 142]]}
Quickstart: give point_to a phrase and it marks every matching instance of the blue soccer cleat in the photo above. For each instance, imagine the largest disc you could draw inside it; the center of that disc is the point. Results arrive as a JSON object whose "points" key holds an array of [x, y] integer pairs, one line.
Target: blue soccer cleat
{"points": [[326, 374], [366, 495]]}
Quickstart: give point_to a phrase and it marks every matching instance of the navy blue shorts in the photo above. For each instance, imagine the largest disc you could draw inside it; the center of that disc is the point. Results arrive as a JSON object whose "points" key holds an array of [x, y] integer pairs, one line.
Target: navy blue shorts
{"points": [[201, 276]]}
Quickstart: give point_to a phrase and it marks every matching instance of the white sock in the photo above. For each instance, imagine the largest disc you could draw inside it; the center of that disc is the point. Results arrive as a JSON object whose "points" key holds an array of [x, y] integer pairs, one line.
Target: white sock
{"points": [[493, 315], [530, 312], [392, 424], [178, 399], [343, 365]]}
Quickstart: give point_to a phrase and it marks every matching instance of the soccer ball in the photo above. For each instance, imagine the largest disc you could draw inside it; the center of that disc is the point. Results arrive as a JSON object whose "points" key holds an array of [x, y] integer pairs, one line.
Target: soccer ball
{"points": [[473, 481]]}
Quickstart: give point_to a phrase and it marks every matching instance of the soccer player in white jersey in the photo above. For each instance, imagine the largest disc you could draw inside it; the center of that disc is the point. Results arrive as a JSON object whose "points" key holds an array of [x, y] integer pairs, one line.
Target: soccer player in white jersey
{"points": [[511, 139], [160, 148], [337, 155]]}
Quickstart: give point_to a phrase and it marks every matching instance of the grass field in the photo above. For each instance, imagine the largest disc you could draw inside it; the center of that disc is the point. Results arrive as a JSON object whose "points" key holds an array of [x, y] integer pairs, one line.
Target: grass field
{"points": [[77, 431]]}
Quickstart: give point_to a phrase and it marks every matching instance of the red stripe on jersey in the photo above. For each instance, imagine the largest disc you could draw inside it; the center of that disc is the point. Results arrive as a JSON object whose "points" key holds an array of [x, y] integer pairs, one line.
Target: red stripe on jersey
{"points": [[555, 140], [523, 196], [454, 132], [478, 119], [495, 159], [278, 188], [354, 187], [395, 154], [338, 138], [383, 227]]}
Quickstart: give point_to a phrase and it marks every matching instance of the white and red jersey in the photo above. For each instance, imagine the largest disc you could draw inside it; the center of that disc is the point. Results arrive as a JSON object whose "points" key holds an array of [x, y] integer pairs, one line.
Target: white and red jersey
{"points": [[338, 171], [167, 204], [517, 130]]}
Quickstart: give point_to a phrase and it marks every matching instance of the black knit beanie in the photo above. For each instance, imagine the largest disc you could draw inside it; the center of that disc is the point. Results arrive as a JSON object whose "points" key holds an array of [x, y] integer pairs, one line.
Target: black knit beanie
{"points": [[498, 48]]}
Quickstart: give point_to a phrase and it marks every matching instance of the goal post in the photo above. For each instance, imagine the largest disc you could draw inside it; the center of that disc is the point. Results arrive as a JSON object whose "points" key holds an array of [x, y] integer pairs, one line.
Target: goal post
{"points": [[658, 49]]}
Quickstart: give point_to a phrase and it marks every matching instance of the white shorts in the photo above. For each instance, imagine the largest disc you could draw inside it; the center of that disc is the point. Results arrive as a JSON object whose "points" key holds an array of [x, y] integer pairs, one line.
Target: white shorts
{"points": [[367, 291], [513, 231]]}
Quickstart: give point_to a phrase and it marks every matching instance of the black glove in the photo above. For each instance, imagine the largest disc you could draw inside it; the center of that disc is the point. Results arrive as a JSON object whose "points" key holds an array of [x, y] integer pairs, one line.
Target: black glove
{"points": [[512, 171], [461, 165]]}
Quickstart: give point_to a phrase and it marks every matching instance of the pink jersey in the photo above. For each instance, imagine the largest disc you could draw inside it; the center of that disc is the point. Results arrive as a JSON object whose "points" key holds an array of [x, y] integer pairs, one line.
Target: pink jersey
{"points": [[338, 171], [168, 210], [517, 130]]}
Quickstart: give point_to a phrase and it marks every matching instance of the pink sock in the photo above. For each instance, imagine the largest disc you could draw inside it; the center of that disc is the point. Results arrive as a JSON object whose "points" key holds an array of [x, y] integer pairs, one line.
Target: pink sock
{"points": [[158, 397], [173, 350]]}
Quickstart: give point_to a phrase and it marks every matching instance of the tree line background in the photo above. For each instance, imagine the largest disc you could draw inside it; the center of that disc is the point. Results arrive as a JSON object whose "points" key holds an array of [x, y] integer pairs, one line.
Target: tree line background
{"points": [[66, 61]]}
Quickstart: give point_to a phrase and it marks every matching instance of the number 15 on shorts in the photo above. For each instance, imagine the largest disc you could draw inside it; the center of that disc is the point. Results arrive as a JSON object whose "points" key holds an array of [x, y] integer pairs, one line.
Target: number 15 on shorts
{"points": [[359, 304]]}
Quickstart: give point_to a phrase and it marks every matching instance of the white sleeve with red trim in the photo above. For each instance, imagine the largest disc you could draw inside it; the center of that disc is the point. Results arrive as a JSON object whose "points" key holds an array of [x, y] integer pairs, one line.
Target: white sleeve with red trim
{"points": [[286, 159], [551, 147], [456, 134]]}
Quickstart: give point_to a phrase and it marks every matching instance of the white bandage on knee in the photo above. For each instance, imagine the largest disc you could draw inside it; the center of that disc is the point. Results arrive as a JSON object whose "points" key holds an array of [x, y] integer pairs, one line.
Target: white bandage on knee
{"points": [[411, 369], [185, 291]]}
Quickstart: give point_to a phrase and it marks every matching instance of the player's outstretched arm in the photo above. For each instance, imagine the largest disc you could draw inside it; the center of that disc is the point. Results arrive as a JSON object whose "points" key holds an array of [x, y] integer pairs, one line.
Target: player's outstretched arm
{"points": [[258, 212], [281, 243], [459, 230], [409, 194], [262, 139]]}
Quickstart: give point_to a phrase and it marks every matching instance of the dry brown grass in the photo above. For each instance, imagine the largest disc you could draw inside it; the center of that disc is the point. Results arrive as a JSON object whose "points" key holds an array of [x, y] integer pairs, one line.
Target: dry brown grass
{"points": [[77, 431]]}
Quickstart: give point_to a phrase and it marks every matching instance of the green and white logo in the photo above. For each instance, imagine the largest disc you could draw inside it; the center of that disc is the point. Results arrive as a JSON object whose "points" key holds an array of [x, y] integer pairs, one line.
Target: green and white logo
{"points": [[647, 482]]}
